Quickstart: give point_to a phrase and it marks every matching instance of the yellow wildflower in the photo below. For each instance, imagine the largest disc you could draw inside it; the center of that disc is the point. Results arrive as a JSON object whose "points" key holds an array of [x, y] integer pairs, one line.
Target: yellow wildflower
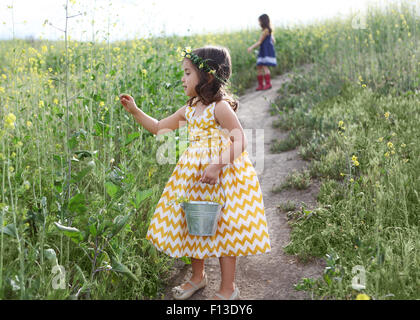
{"points": [[363, 85], [55, 101], [27, 185], [41, 103], [101, 104], [11, 169], [28, 124], [386, 154], [188, 49], [362, 296], [354, 160], [4, 76], [390, 145], [386, 114], [144, 71], [2, 90], [380, 139], [403, 145], [9, 121], [340, 123]]}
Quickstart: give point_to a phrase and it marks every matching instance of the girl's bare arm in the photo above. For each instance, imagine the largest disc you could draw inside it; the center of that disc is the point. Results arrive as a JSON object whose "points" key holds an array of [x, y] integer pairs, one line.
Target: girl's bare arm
{"points": [[173, 122], [228, 120]]}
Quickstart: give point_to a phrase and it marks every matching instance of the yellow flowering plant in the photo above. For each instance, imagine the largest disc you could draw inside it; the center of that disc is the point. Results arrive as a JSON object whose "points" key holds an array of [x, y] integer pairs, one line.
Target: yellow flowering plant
{"points": [[182, 199]]}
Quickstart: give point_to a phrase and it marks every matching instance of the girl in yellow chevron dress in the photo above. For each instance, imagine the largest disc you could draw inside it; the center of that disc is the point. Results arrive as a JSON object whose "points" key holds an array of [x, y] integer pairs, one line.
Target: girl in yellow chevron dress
{"points": [[216, 158]]}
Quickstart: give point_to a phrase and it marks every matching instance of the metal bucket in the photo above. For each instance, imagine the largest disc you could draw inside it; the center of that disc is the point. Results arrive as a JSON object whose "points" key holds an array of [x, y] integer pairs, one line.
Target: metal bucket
{"points": [[202, 216]]}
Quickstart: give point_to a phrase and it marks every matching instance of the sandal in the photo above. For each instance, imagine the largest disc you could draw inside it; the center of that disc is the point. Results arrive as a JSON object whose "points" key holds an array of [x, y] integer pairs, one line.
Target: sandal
{"points": [[234, 296], [183, 294]]}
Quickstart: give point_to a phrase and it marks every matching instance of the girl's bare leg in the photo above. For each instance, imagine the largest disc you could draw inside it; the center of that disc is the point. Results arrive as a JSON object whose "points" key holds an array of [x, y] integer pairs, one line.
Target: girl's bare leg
{"points": [[227, 267], [197, 273], [266, 70], [260, 70]]}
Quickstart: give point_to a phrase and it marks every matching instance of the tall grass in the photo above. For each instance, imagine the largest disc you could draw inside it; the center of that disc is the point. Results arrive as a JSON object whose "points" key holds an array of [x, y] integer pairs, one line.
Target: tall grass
{"points": [[356, 116]]}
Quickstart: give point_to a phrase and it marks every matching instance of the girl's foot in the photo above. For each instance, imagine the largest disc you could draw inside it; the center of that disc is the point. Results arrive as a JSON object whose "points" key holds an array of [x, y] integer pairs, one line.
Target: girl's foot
{"points": [[260, 79], [187, 289], [196, 280], [226, 295]]}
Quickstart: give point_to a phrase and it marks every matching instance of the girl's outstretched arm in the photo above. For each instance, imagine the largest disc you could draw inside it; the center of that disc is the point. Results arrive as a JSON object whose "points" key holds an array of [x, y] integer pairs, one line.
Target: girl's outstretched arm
{"points": [[173, 122]]}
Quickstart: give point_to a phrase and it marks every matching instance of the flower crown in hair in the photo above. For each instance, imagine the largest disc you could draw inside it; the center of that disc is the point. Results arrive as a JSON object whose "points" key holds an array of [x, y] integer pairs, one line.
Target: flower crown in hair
{"points": [[199, 62]]}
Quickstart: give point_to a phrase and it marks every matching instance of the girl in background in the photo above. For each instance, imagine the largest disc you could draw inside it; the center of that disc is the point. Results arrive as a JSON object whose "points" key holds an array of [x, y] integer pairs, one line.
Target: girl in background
{"points": [[266, 55]]}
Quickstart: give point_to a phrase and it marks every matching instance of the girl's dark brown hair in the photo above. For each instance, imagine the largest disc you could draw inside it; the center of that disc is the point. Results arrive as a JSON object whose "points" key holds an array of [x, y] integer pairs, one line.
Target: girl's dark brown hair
{"points": [[209, 88], [265, 22]]}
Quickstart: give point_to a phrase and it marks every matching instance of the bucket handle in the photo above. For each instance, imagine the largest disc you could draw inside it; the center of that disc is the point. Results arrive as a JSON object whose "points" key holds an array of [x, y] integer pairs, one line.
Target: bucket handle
{"points": [[223, 190]]}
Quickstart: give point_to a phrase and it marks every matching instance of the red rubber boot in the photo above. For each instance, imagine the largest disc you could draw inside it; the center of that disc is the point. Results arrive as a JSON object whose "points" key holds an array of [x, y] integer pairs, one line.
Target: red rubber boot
{"points": [[260, 82], [267, 82]]}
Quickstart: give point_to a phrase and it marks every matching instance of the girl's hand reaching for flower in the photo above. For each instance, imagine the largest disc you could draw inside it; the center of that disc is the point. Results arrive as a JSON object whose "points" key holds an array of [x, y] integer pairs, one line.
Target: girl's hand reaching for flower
{"points": [[128, 103]]}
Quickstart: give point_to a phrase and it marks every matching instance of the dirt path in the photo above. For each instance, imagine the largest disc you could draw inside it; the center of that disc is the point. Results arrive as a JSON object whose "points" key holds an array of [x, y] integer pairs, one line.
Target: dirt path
{"points": [[272, 275]]}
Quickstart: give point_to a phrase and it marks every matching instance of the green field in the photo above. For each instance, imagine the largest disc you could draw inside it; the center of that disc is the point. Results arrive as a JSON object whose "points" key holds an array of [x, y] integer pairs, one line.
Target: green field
{"points": [[79, 177]]}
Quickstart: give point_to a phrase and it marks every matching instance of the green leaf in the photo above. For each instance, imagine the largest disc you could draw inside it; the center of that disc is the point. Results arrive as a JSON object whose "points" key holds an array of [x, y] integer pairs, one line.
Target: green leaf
{"points": [[92, 230], [72, 142], [142, 195], [68, 230], [73, 233], [111, 189], [81, 154], [51, 256], [97, 97], [119, 223], [77, 204], [119, 267], [83, 173], [186, 260], [10, 230], [131, 137]]}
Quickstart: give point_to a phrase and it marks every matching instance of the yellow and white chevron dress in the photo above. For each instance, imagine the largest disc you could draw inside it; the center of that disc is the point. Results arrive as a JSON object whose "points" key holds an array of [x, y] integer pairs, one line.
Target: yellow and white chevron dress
{"points": [[242, 228]]}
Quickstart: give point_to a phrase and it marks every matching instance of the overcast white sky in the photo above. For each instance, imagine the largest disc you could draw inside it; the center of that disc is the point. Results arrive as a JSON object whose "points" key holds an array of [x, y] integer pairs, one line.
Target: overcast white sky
{"points": [[141, 18]]}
